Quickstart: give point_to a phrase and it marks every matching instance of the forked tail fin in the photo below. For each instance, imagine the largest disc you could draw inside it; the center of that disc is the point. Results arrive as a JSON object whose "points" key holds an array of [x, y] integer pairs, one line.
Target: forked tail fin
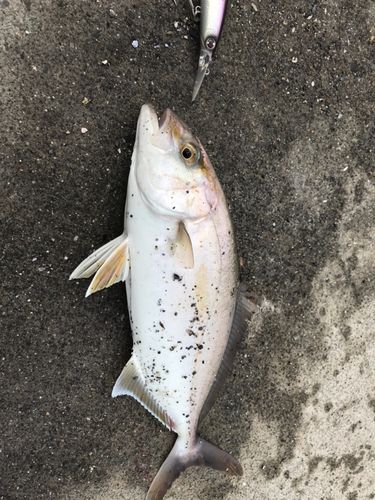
{"points": [[181, 457]]}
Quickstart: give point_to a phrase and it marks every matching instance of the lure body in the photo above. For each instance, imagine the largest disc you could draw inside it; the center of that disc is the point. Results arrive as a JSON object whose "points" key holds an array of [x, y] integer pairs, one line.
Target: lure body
{"points": [[212, 17]]}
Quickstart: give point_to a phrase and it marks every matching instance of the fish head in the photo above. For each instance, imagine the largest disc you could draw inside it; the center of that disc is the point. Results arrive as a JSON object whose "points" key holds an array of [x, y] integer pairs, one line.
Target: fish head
{"points": [[173, 173]]}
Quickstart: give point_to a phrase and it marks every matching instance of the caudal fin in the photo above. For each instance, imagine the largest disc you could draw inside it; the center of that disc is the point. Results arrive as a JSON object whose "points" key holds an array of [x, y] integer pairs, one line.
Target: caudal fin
{"points": [[182, 457]]}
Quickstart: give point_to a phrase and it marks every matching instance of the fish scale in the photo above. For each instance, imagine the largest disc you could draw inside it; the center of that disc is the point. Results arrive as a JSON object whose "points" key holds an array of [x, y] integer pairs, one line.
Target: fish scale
{"points": [[159, 341]]}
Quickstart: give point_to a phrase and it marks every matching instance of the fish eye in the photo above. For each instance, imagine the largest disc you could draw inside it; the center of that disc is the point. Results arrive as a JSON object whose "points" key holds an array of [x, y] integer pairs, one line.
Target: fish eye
{"points": [[189, 153], [210, 43]]}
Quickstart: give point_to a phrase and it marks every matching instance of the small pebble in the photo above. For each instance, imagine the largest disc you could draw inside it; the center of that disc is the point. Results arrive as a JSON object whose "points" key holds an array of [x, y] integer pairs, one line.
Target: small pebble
{"points": [[84, 130], [135, 43]]}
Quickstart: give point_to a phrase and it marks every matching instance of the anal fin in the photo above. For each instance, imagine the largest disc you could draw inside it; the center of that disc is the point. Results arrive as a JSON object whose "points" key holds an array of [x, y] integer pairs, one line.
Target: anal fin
{"points": [[110, 263], [131, 383]]}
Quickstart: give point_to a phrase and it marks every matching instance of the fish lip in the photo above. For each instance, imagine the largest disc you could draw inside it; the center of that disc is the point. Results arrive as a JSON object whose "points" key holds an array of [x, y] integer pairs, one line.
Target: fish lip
{"points": [[165, 117], [148, 116], [169, 120]]}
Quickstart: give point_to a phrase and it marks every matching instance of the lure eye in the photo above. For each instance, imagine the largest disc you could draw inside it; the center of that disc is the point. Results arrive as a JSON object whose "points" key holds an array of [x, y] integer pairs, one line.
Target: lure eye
{"points": [[189, 153], [210, 43]]}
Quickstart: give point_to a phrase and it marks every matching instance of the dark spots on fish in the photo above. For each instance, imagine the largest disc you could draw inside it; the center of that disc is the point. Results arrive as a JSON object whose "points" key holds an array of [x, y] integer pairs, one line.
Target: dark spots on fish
{"points": [[135, 378], [172, 348], [177, 277], [202, 361], [183, 357], [161, 324], [159, 352], [193, 305], [184, 376], [159, 303], [194, 373], [187, 192], [156, 247], [190, 347], [131, 216], [175, 314], [200, 346], [191, 333]]}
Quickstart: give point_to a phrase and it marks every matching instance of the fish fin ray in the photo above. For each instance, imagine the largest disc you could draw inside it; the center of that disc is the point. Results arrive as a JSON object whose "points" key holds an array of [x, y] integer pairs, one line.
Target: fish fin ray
{"points": [[114, 269], [131, 383], [94, 261], [181, 457], [182, 249], [247, 304]]}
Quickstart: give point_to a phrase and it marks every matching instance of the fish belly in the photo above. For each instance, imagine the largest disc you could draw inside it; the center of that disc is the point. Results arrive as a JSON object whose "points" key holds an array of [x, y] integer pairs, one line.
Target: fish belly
{"points": [[180, 318]]}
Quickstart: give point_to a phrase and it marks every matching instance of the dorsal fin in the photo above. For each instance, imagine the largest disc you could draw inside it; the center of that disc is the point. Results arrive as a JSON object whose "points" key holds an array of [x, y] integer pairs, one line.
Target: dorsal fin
{"points": [[247, 304], [182, 250], [131, 383]]}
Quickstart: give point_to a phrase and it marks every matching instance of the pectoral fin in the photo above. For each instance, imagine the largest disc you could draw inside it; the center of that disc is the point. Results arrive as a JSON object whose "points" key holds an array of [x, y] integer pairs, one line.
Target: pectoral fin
{"points": [[131, 383], [110, 262], [182, 250]]}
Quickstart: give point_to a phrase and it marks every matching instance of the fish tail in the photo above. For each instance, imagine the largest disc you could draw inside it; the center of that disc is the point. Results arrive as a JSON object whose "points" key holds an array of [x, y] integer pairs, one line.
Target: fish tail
{"points": [[183, 456]]}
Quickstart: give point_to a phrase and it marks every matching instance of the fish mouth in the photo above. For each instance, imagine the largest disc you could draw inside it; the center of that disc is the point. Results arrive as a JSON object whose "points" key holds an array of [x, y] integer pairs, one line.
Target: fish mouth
{"points": [[171, 131], [148, 120], [165, 133], [165, 117]]}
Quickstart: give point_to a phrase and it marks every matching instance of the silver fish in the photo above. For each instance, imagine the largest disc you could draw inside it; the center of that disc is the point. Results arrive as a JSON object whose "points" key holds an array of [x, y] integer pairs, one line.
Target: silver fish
{"points": [[212, 16], [186, 306]]}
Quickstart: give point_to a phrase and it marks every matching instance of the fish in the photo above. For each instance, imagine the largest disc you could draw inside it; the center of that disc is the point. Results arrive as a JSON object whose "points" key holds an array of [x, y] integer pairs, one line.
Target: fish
{"points": [[212, 17], [187, 306]]}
